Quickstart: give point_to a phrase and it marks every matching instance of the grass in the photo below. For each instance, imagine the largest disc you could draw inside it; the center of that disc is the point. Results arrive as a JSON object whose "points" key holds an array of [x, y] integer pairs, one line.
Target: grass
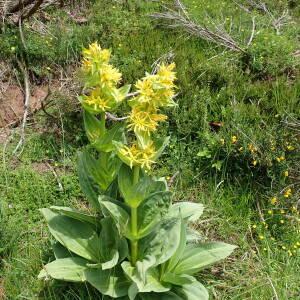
{"points": [[252, 100]]}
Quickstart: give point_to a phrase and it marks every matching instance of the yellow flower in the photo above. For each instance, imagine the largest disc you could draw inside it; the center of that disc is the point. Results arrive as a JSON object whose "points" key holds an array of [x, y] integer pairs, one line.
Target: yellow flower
{"points": [[233, 139], [286, 173], [270, 212], [282, 221], [157, 89], [290, 148], [251, 148], [282, 211], [261, 237], [109, 76], [274, 200], [222, 141], [145, 119], [139, 157], [287, 193], [254, 163], [279, 159], [97, 101], [254, 226], [95, 54], [167, 75]]}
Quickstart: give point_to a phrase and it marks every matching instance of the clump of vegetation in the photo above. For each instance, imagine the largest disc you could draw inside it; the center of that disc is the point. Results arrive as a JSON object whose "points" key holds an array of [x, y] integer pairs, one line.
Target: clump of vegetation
{"points": [[133, 208]]}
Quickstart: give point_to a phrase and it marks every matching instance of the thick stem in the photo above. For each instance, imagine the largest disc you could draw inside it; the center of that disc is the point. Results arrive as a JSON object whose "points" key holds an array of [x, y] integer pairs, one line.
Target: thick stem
{"points": [[134, 221]]}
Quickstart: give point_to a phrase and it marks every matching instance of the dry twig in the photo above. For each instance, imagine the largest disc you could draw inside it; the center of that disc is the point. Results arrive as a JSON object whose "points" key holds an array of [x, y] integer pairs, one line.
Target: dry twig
{"points": [[178, 18], [26, 106]]}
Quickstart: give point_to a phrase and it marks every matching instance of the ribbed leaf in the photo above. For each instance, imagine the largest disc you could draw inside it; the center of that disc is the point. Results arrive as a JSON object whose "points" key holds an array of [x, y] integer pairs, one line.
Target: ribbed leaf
{"points": [[68, 269], [192, 291], [75, 214], [196, 257], [109, 282], [120, 216], [88, 185], [187, 210], [163, 242], [77, 236]]}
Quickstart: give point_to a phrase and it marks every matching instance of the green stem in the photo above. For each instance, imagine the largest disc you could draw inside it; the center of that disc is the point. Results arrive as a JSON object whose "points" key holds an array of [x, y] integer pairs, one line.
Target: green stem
{"points": [[134, 221], [102, 122]]}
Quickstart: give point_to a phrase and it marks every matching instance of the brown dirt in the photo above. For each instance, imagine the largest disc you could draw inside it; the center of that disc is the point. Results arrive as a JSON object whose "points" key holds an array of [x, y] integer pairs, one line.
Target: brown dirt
{"points": [[12, 102], [2, 294]]}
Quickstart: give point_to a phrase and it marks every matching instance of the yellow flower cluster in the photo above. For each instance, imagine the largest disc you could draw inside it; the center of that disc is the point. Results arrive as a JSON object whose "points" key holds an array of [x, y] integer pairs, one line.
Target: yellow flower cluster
{"points": [[288, 193], [135, 156], [154, 91], [102, 78], [158, 89], [143, 119]]}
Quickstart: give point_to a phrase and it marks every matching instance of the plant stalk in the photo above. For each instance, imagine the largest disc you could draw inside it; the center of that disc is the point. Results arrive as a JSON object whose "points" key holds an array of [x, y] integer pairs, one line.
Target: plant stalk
{"points": [[134, 221]]}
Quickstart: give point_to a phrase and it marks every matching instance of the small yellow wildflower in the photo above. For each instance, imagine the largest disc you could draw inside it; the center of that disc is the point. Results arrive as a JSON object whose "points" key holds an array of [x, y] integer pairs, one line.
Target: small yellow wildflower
{"points": [[282, 211], [251, 148], [274, 200], [282, 221], [286, 173], [270, 212], [222, 141], [254, 163], [254, 226], [261, 237], [290, 148], [234, 139], [287, 193]]}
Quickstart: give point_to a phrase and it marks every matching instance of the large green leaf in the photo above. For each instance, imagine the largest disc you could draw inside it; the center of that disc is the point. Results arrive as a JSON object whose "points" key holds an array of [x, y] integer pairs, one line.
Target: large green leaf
{"points": [[150, 283], [163, 242], [104, 143], [187, 210], [177, 279], [60, 251], [88, 185], [134, 194], [92, 126], [151, 212], [75, 214], [103, 170], [110, 239], [196, 257], [77, 236], [112, 282], [67, 269], [180, 249], [120, 216], [192, 291]]}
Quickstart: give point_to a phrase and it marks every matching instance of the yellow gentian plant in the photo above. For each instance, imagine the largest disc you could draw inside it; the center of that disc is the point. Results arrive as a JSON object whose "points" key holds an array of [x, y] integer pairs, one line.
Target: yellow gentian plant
{"points": [[136, 244]]}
